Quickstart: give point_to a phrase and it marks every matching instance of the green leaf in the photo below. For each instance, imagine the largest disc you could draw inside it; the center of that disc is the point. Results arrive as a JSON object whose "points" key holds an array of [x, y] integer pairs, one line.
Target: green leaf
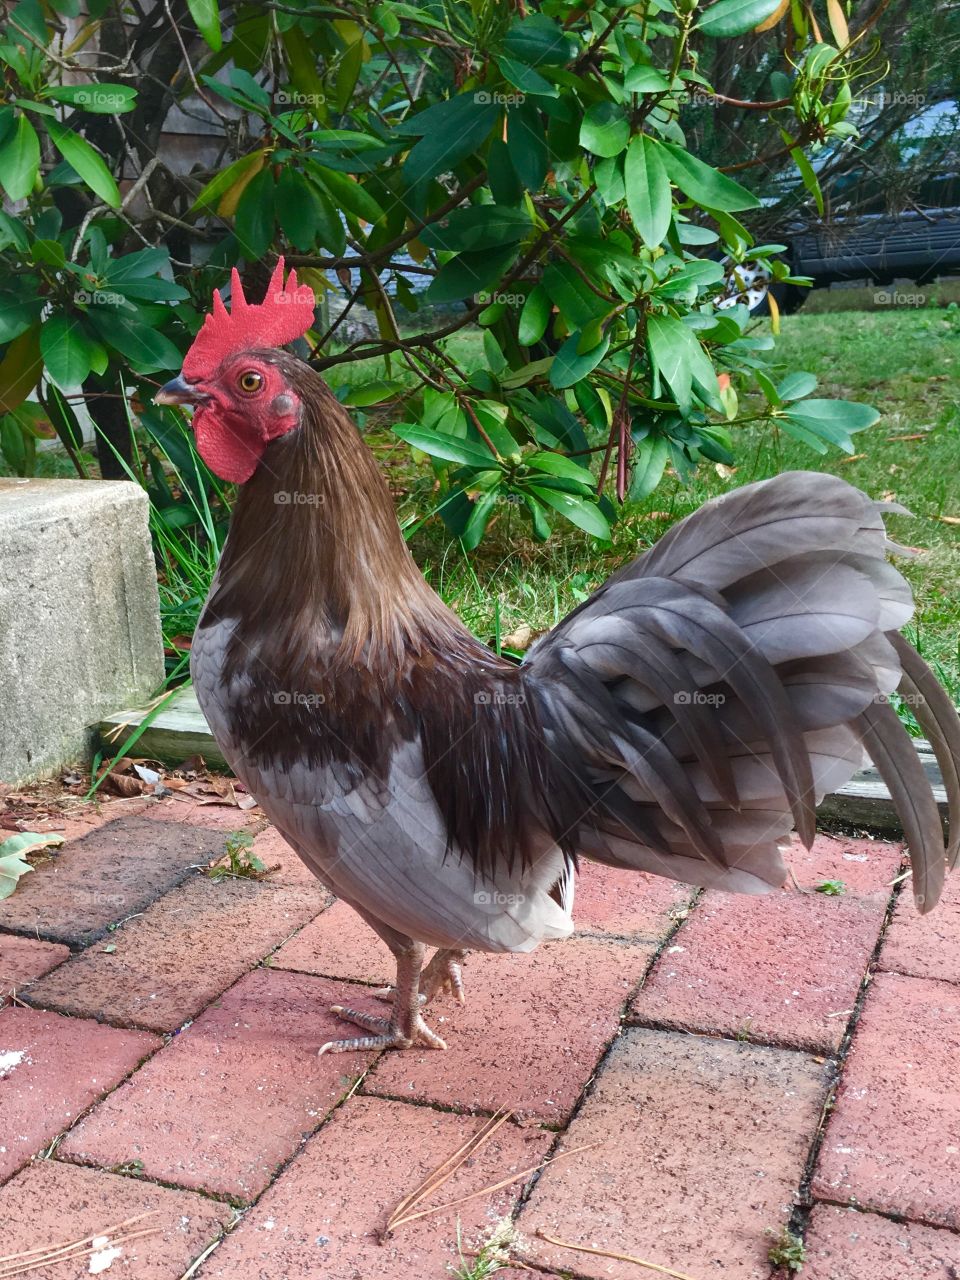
{"points": [[556, 464], [99, 99], [146, 349], [469, 274], [256, 215], [206, 14], [585, 515], [643, 78], [704, 184], [453, 134], [647, 467], [66, 351], [483, 226], [526, 79], [88, 163], [12, 851], [527, 141], [217, 187], [832, 420], [538, 518], [569, 366], [647, 190], [534, 317], [298, 208], [736, 17], [347, 193], [505, 185], [809, 177], [479, 518], [374, 392], [677, 354], [438, 444], [605, 129], [796, 385], [12, 867], [539, 41], [20, 160]]}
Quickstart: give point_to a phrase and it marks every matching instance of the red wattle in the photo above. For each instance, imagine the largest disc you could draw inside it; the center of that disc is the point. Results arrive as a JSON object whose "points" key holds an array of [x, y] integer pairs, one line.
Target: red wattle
{"points": [[229, 453]]}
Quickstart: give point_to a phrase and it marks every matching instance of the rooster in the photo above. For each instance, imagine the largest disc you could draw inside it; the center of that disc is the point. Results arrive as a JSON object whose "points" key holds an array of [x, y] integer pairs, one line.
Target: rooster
{"points": [[680, 721]]}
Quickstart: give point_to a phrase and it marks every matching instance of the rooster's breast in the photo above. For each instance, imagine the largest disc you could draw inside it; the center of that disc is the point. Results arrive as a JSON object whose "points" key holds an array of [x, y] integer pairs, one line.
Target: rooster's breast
{"points": [[377, 839]]}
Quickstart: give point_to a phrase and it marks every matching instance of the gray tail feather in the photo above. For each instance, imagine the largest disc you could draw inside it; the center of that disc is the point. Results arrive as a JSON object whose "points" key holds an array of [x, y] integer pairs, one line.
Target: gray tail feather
{"points": [[711, 692]]}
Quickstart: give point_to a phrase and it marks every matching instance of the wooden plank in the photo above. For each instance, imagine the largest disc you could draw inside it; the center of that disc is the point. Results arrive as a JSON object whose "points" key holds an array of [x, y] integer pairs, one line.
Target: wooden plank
{"points": [[180, 731]]}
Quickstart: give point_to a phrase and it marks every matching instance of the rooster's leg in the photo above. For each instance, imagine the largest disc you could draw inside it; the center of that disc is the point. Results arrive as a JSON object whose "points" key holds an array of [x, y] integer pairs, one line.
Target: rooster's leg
{"points": [[443, 973], [405, 1028]]}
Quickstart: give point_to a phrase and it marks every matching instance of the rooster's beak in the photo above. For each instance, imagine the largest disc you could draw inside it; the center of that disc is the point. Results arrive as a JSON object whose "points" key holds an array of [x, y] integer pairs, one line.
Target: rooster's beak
{"points": [[178, 391]]}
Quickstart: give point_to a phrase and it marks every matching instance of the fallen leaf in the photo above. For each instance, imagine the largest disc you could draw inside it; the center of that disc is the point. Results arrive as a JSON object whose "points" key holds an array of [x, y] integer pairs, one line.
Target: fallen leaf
{"points": [[949, 519], [13, 862], [519, 639], [124, 784]]}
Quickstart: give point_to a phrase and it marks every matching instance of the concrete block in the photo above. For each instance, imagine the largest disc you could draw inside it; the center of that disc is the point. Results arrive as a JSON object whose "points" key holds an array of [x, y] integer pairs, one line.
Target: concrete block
{"points": [[79, 616]]}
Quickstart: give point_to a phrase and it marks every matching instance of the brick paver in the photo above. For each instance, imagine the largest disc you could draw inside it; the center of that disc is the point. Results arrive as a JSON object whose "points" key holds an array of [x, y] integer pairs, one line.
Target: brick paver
{"points": [[321, 1216], [23, 960], [532, 1030], [196, 812], [51, 1069], [925, 946], [893, 1141], [230, 1098], [868, 868], [338, 944], [703, 1144], [111, 873], [780, 969], [284, 865], [845, 1244], [184, 950], [51, 1203], [627, 904]]}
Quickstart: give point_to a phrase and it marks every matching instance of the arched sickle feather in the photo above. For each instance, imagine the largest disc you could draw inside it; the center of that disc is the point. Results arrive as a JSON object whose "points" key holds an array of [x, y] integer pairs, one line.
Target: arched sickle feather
{"points": [[937, 717], [285, 313], [891, 749]]}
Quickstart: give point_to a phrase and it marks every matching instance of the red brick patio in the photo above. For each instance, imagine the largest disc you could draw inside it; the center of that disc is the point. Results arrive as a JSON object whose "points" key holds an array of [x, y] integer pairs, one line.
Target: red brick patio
{"points": [[727, 1066]]}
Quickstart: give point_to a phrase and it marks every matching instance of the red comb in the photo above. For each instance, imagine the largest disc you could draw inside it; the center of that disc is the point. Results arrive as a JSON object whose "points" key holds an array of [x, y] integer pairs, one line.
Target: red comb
{"points": [[285, 313]]}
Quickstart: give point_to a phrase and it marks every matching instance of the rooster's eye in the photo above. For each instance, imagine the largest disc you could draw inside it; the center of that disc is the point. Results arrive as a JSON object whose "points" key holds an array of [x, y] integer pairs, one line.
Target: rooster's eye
{"points": [[250, 381]]}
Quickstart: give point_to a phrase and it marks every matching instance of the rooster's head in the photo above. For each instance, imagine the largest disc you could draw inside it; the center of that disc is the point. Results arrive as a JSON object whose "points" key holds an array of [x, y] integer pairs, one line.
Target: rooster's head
{"points": [[242, 399]]}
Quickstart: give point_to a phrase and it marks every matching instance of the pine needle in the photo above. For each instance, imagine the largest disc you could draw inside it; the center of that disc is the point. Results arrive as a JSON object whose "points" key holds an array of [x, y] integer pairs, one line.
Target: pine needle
{"points": [[446, 1170], [496, 1186], [19, 1264], [620, 1257]]}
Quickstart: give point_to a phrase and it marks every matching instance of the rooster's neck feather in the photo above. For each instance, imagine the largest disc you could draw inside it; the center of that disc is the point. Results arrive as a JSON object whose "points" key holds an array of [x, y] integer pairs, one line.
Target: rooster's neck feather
{"points": [[315, 550]]}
